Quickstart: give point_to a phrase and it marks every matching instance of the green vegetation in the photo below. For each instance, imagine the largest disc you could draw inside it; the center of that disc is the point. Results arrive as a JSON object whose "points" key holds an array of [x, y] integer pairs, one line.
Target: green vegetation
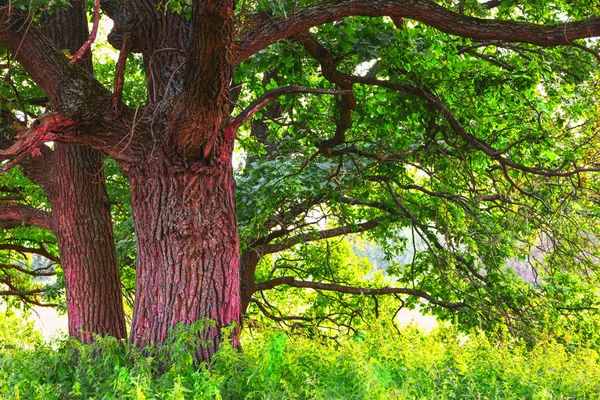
{"points": [[443, 364], [347, 159]]}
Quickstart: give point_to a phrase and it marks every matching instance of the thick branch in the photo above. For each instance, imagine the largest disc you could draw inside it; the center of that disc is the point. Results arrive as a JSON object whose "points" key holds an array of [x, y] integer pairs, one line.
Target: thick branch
{"points": [[13, 214], [44, 63], [208, 79], [262, 29], [43, 129], [273, 94], [290, 281], [74, 93]]}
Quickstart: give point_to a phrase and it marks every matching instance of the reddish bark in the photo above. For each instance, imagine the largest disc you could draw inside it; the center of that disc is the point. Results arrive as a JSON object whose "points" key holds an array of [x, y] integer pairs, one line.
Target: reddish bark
{"points": [[73, 180], [80, 218], [83, 226], [182, 186], [14, 214], [81, 212], [262, 29], [188, 249]]}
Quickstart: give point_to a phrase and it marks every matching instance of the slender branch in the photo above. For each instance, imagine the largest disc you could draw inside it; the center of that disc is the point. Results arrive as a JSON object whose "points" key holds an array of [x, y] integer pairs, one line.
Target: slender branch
{"points": [[13, 213], [272, 95], [290, 281], [491, 4], [25, 297], [399, 156], [435, 103], [86, 46], [262, 308], [120, 71], [290, 214], [490, 59], [34, 250], [13, 194], [587, 50], [328, 67], [32, 272], [318, 235], [261, 29]]}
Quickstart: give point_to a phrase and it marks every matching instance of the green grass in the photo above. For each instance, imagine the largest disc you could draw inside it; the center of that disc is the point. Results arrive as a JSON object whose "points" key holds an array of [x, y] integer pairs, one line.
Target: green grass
{"points": [[380, 365]]}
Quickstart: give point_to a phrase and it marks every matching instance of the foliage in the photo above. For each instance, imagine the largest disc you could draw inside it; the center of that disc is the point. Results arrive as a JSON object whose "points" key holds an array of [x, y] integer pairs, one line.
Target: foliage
{"points": [[17, 333], [468, 157], [485, 186], [442, 365]]}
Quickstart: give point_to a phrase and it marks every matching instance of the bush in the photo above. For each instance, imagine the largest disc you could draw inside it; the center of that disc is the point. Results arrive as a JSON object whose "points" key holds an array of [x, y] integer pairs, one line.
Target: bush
{"points": [[379, 365]]}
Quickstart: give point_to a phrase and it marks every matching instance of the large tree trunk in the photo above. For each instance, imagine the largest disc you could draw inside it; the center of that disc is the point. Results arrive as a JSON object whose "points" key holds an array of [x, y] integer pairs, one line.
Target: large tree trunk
{"points": [[188, 256], [81, 213], [83, 226]]}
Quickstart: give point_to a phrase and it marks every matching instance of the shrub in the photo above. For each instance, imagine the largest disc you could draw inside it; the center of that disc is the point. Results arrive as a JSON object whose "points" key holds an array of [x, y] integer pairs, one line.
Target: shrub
{"points": [[274, 365]]}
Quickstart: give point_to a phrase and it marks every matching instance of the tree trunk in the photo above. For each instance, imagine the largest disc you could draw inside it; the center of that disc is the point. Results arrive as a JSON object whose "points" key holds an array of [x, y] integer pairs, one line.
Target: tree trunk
{"points": [[81, 213], [188, 256], [83, 226], [248, 263]]}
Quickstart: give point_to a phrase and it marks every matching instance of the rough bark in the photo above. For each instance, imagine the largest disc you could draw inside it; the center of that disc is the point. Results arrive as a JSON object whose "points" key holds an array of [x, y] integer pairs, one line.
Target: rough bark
{"points": [[261, 30], [81, 214], [83, 226], [14, 214], [187, 250]]}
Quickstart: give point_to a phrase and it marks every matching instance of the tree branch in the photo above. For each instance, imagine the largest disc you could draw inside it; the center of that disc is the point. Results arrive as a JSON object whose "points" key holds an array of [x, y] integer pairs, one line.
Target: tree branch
{"points": [[74, 93], [13, 214], [25, 296], [46, 65], [86, 46], [37, 250], [435, 103], [44, 129], [491, 4], [273, 94], [208, 75], [318, 235], [328, 67], [261, 29], [290, 281], [31, 272]]}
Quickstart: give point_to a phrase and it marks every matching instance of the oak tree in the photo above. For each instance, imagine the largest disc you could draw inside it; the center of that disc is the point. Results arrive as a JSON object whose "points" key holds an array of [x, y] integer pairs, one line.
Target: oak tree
{"points": [[436, 152]]}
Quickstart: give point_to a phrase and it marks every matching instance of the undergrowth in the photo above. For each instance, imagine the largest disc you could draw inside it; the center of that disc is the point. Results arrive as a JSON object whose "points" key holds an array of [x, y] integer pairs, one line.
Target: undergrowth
{"points": [[442, 364]]}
